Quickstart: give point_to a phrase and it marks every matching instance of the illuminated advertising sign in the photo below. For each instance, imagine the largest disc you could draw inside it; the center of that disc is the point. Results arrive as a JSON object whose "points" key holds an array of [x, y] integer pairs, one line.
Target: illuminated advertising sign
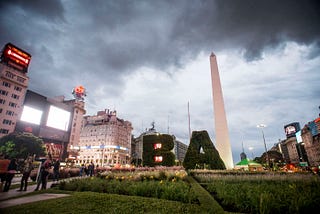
{"points": [[15, 57], [58, 118], [31, 115], [313, 128], [79, 92], [291, 129]]}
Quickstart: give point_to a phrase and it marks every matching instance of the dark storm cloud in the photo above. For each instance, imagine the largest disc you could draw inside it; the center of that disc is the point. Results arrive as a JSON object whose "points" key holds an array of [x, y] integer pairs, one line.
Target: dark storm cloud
{"points": [[108, 39], [251, 25], [50, 10]]}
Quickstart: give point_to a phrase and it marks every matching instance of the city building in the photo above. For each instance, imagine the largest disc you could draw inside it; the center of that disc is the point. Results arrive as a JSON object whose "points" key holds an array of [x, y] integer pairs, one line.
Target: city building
{"points": [[310, 135], [105, 140], [14, 80], [179, 149], [56, 120]]}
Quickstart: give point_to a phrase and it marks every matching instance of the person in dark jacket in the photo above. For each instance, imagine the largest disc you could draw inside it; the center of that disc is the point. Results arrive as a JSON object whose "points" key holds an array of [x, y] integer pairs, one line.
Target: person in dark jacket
{"points": [[12, 170], [56, 168]]}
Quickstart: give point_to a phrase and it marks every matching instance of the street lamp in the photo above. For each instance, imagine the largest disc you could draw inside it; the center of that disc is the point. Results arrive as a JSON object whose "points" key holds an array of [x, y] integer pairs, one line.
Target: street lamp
{"points": [[264, 141]]}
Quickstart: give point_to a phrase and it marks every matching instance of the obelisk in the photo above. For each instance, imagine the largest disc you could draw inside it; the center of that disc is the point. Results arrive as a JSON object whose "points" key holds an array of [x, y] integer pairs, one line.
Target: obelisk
{"points": [[220, 119]]}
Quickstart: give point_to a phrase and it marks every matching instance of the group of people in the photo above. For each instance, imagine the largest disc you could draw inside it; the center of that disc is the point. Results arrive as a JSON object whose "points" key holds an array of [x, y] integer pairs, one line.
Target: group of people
{"points": [[8, 169], [87, 170]]}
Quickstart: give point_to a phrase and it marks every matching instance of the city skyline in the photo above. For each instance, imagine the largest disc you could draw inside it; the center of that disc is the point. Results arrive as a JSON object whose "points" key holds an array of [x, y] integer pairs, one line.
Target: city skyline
{"points": [[148, 60]]}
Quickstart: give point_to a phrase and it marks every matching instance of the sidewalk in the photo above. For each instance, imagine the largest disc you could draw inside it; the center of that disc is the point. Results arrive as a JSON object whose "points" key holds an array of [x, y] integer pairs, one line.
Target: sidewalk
{"points": [[7, 198]]}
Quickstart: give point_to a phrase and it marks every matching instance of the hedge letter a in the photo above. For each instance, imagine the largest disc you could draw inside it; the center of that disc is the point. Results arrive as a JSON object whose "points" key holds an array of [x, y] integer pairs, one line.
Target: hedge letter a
{"points": [[201, 153]]}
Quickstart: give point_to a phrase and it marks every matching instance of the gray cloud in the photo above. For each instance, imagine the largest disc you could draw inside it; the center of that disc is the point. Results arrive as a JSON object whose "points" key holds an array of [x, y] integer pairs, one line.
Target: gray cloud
{"points": [[100, 43]]}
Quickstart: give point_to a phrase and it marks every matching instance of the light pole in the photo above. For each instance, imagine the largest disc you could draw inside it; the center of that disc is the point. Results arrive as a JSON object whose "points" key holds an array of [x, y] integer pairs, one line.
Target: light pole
{"points": [[264, 141]]}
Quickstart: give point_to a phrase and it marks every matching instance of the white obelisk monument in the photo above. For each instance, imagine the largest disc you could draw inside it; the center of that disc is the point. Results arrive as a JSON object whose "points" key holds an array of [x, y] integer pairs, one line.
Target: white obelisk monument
{"points": [[220, 119]]}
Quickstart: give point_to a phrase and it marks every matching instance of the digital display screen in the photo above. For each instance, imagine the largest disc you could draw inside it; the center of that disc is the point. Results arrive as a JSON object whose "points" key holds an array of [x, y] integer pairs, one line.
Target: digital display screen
{"points": [[31, 115], [16, 56], [58, 118]]}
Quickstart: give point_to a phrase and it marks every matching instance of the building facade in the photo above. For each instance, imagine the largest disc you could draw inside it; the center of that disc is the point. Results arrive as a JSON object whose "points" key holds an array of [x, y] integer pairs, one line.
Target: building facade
{"points": [[310, 135], [105, 140], [13, 86], [56, 120], [179, 149]]}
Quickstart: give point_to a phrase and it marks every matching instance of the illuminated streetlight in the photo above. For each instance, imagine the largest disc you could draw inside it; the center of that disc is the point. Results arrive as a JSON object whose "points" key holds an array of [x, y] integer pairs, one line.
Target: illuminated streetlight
{"points": [[264, 141]]}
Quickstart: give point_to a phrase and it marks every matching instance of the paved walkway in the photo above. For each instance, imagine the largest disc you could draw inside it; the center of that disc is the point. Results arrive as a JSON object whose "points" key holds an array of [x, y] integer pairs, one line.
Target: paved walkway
{"points": [[9, 198]]}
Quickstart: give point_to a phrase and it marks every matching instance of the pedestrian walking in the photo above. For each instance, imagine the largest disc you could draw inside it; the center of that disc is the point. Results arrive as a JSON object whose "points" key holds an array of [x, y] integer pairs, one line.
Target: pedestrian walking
{"points": [[56, 168], [4, 163], [12, 170], [28, 167]]}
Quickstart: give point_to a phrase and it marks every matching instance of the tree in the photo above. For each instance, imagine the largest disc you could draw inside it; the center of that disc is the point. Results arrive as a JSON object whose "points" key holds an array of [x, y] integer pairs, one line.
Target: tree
{"points": [[201, 153], [21, 145]]}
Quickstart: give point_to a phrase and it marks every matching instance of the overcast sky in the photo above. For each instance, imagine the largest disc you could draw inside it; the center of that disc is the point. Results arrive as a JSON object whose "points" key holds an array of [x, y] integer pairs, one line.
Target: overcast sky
{"points": [[148, 59]]}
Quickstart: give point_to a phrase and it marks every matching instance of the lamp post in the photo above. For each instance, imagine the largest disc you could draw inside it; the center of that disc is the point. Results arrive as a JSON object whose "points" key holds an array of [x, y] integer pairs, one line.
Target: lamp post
{"points": [[264, 141]]}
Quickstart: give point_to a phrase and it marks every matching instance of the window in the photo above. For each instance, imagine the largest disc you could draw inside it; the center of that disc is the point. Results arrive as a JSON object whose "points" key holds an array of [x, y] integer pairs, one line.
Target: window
{"points": [[12, 104], [2, 101], [6, 84], [11, 113], [14, 96], [3, 92], [20, 79], [4, 131], [17, 88], [8, 122]]}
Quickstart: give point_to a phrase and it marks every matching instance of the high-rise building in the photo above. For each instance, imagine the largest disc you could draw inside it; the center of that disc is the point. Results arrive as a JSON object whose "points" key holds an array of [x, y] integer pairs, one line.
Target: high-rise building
{"points": [[14, 64], [220, 119], [105, 140]]}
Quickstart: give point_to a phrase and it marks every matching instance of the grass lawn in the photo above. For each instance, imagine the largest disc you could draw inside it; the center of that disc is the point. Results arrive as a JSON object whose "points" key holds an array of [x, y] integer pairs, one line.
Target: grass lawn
{"points": [[91, 202]]}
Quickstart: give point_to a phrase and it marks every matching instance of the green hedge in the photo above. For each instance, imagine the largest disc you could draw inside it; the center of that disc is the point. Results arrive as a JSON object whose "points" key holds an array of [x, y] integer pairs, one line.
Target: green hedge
{"points": [[209, 159], [165, 151]]}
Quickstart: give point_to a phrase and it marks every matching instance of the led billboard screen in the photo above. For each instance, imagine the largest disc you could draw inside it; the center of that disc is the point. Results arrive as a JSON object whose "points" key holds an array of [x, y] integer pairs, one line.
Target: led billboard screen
{"points": [[291, 129], [31, 115], [58, 118], [15, 57]]}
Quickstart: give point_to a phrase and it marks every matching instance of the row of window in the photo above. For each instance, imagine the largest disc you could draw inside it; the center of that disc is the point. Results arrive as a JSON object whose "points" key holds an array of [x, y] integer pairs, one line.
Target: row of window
{"points": [[8, 112], [8, 85], [11, 104], [7, 122], [5, 93], [4, 131]]}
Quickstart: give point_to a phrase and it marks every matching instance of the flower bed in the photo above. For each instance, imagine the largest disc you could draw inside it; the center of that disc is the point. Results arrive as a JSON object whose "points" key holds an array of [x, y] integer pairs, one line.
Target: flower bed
{"points": [[163, 184]]}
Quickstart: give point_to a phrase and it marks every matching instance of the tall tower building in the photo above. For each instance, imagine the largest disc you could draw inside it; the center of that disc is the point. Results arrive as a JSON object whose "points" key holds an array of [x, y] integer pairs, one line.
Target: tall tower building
{"points": [[14, 64], [221, 127]]}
